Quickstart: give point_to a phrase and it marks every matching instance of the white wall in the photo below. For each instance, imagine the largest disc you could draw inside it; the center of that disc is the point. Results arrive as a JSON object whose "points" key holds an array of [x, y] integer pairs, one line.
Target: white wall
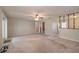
{"points": [[20, 27], [4, 28], [25, 26], [50, 26], [1, 17], [70, 34], [0, 29], [51, 29]]}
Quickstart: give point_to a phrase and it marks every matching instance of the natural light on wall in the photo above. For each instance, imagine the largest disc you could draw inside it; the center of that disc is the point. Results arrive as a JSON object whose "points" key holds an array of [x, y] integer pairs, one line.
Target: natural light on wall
{"points": [[64, 25]]}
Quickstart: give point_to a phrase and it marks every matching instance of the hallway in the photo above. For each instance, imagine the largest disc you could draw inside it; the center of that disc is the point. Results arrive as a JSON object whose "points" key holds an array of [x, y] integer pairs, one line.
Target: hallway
{"points": [[38, 43]]}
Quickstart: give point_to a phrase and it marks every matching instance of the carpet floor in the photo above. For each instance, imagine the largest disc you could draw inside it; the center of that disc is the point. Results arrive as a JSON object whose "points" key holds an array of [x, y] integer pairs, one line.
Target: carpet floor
{"points": [[42, 44]]}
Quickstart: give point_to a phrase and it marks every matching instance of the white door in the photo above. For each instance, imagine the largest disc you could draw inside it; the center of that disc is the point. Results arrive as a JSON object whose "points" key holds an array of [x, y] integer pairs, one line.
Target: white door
{"points": [[4, 28]]}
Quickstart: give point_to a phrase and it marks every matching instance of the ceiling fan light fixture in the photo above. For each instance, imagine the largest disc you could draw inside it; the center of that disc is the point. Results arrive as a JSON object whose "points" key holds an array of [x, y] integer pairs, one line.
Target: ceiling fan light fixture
{"points": [[36, 19]]}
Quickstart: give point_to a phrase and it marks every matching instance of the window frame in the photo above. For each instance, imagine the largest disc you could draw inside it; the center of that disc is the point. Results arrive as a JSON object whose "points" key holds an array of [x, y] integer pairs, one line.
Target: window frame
{"points": [[68, 15]]}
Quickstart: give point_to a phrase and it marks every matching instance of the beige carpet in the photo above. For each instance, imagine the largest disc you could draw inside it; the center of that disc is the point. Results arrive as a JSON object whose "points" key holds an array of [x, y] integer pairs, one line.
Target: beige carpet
{"points": [[41, 44]]}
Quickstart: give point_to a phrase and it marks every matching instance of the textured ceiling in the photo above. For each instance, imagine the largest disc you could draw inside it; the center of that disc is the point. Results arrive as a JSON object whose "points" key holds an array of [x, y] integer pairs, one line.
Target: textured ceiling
{"points": [[30, 11]]}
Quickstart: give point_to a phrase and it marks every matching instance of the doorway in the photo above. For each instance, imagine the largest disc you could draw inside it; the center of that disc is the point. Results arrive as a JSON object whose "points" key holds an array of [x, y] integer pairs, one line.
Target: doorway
{"points": [[40, 27]]}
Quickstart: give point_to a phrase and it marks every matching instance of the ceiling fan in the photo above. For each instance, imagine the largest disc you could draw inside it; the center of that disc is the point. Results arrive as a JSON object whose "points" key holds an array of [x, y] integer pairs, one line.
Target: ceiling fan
{"points": [[38, 17]]}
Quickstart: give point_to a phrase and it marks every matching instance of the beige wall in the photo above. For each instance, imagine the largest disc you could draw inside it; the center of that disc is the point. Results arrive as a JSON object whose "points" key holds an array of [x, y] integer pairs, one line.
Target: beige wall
{"points": [[50, 26], [1, 17], [51, 29], [24, 26], [20, 27], [71, 34]]}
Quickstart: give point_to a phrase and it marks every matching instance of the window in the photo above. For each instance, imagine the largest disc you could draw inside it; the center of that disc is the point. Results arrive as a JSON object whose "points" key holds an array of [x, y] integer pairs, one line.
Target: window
{"points": [[77, 20], [70, 21], [64, 21]]}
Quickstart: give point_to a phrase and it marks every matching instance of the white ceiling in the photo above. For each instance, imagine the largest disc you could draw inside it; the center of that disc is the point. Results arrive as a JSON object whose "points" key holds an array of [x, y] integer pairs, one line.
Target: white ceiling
{"points": [[30, 11]]}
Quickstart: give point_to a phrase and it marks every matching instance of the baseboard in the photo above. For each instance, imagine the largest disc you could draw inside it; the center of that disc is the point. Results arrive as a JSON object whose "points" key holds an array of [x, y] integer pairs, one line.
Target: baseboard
{"points": [[69, 38], [20, 35]]}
